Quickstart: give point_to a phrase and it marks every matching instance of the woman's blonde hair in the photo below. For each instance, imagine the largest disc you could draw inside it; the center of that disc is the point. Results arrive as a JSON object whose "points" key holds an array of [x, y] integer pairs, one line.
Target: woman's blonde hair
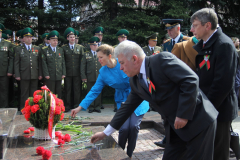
{"points": [[106, 49]]}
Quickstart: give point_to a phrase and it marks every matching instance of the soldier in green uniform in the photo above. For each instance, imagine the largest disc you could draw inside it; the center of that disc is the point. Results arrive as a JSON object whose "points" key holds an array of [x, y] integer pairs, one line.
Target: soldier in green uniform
{"points": [[90, 70], [9, 34], [152, 47], [73, 55], [4, 36], [98, 32], [45, 40], [6, 68], [18, 35], [27, 66], [53, 64], [122, 35], [173, 28]]}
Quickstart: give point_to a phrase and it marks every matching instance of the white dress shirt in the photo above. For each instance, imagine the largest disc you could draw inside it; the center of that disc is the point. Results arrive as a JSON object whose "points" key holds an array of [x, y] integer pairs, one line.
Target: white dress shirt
{"points": [[151, 48], [210, 37], [177, 38], [71, 46], [53, 48], [28, 46]]}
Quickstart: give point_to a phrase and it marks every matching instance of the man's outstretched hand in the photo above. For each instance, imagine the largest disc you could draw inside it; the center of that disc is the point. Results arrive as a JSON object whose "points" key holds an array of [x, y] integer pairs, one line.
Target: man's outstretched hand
{"points": [[97, 137]]}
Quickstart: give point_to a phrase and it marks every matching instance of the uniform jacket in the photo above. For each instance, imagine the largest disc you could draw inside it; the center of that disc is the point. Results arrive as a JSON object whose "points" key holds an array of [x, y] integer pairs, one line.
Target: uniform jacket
{"points": [[118, 80], [27, 64], [6, 57], [148, 52], [90, 67], [218, 82], [176, 94], [53, 64], [167, 45], [184, 51], [73, 59]]}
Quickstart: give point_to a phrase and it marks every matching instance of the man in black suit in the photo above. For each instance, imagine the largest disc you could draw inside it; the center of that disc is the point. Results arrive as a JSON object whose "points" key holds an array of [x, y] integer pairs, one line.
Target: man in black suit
{"points": [[174, 93], [216, 64]]}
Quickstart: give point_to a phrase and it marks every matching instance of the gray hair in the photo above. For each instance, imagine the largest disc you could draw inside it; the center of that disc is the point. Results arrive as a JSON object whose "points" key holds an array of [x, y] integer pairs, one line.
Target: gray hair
{"points": [[128, 49], [206, 15]]}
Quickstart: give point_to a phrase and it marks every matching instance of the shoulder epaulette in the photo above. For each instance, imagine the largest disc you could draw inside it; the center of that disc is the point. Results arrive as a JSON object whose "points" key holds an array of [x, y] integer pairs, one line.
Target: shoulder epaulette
{"points": [[167, 40], [64, 45], [44, 47], [186, 37]]}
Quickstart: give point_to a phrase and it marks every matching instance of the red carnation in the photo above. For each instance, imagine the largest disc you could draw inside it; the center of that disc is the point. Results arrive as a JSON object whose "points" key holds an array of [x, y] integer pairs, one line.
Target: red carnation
{"points": [[67, 138], [27, 102], [37, 98], [35, 108], [57, 133], [40, 150], [62, 116], [63, 108], [61, 142], [26, 110], [31, 128], [60, 136], [27, 131], [27, 116], [37, 92], [46, 154], [57, 110]]}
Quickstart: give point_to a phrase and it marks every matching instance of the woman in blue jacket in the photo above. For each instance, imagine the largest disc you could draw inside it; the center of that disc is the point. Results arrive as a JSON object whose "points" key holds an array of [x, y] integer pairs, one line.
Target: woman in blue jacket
{"points": [[111, 75]]}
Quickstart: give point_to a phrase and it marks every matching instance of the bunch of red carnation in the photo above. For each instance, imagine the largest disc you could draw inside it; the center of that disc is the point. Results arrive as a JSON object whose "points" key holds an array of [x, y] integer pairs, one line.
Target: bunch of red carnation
{"points": [[36, 109], [62, 138], [46, 154]]}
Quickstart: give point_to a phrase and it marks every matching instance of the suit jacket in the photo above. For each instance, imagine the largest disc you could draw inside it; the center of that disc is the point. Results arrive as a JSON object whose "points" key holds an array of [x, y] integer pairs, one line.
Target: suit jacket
{"points": [[176, 94], [167, 45], [6, 57], [53, 64], [218, 82], [73, 59], [148, 52], [27, 65], [184, 51], [90, 67]]}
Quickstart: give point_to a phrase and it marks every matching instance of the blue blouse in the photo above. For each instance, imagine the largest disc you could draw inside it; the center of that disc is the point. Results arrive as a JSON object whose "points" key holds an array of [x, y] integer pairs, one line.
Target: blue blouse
{"points": [[117, 79]]}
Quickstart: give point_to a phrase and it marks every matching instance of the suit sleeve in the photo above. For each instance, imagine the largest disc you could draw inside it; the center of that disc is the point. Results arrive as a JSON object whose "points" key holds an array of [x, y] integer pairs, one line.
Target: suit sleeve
{"points": [[17, 62], [39, 62], [11, 59], [44, 63], [81, 52], [187, 81], [83, 66], [225, 69], [126, 109], [63, 64]]}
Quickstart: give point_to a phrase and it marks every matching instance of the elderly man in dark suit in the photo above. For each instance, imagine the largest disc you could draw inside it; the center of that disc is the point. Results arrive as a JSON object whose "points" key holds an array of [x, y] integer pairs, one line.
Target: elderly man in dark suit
{"points": [[173, 92], [216, 67]]}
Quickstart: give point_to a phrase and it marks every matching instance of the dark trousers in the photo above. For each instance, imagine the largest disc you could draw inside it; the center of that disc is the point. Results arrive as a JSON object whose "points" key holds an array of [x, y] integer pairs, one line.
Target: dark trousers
{"points": [[27, 89], [200, 147], [96, 103], [55, 87], [222, 141], [4, 81], [129, 133], [72, 87]]}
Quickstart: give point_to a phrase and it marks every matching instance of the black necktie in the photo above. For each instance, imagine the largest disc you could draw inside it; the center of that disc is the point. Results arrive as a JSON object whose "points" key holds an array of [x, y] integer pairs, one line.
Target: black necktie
{"points": [[173, 43], [141, 81], [94, 54], [72, 47], [152, 50], [54, 50], [29, 48]]}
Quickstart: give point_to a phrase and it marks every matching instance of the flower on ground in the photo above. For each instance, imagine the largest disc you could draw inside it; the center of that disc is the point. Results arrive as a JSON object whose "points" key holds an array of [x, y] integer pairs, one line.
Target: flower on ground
{"points": [[31, 128], [27, 131], [40, 150], [61, 142], [47, 154]]}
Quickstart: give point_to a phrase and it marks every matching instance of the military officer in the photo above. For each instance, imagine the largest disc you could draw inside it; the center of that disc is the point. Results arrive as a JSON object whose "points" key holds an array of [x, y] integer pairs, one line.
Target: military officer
{"points": [[173, 28], [45, 40], [90, 70], [6, 68], [152, 47], [98, 32], [73, 54], [9, 34], [4, 36], [53, 64], [18, 35], [27, 66]]}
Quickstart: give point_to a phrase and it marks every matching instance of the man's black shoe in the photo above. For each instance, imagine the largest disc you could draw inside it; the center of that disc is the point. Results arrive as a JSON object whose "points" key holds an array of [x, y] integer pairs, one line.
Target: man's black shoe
{"points": [[115, 110], [102, 107], [160, 144], [97, 110], [90, 110]]}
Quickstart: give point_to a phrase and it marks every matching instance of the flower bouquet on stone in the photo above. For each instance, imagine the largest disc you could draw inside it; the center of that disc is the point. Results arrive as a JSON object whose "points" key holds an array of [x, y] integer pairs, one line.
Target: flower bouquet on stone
{"points": [[43, 111]]}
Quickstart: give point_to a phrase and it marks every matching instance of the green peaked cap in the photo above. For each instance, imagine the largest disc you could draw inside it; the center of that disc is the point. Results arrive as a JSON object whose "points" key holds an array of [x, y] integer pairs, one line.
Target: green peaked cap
{"points": [[44, 35], [171, 23], [94, 40], [98, 30], [54, 34], [69, 31], [153, 37], [77, 34], [27, 32], [18, 34], [8, 32], [1, 27], [122, 33], [4, 36]]}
